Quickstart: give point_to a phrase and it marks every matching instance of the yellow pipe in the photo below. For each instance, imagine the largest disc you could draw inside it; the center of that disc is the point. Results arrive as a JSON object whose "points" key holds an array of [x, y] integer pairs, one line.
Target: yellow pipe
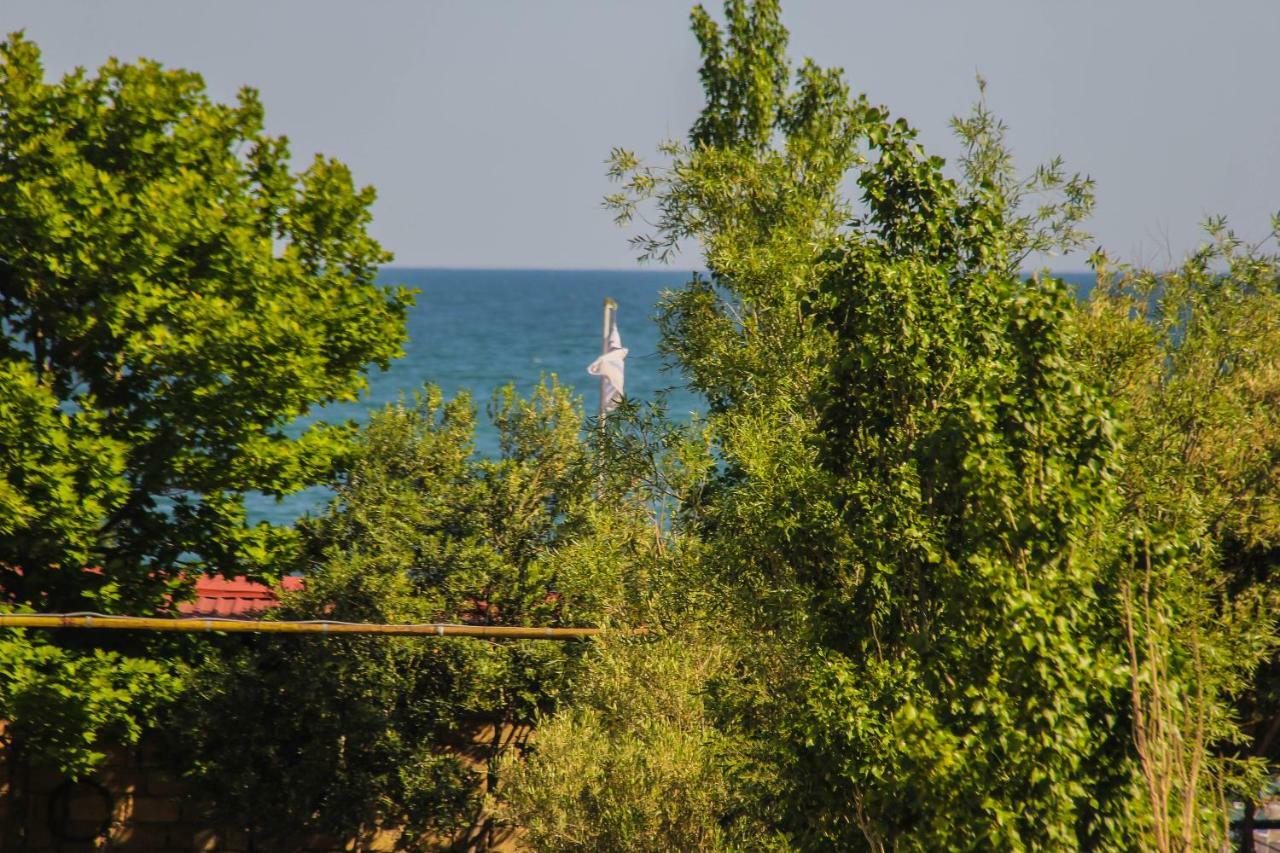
{"points": [[199, 625]]}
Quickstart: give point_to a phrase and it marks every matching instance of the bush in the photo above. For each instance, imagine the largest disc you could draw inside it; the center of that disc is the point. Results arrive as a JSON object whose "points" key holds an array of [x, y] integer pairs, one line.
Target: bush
{"points": [[353, 733], [635, 762]]}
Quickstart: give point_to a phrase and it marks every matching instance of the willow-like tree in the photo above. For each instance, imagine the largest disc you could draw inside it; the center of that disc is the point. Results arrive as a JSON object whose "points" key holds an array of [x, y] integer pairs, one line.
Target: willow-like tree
{"points": [[912, 468], [172, 298], [970, 611]]}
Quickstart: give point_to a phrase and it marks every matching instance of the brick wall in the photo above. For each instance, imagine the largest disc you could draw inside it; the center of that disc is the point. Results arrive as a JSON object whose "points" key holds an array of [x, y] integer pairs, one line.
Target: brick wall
{"points": [[133, 805]]}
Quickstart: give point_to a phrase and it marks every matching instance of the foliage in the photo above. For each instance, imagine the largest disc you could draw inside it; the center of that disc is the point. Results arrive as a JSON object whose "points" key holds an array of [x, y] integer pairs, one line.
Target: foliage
{"points": [[1191, 355], [956, 560], [967, 666], [934, 497], [420, 531], [635, 762], [68, 704], [172, 297]]}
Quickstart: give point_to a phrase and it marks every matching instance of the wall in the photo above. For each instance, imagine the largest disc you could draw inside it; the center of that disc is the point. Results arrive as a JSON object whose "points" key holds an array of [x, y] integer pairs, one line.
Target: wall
{"points": [[133, 805]]}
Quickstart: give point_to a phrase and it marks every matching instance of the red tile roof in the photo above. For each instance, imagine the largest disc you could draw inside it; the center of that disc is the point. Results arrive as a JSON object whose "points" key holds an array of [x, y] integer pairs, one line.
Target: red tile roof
{"points": [[217, 596], [238, 597]]}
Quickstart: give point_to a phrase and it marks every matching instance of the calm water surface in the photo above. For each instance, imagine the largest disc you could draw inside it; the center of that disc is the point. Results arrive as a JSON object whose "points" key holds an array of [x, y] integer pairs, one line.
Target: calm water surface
{"points": [[477, 330]]}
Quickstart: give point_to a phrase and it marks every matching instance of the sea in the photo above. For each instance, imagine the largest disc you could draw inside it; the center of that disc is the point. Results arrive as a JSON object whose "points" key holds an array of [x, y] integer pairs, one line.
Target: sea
{"points": [[480, 329], [477, 330]]}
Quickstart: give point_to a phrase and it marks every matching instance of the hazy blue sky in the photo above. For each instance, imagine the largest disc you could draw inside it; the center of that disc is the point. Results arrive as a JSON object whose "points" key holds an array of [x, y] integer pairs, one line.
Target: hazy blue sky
{"points": [[484, 125]]}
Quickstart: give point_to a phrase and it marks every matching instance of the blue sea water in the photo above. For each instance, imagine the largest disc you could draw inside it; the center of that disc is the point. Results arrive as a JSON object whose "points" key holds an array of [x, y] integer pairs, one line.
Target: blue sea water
{"points": [[478, 330]]}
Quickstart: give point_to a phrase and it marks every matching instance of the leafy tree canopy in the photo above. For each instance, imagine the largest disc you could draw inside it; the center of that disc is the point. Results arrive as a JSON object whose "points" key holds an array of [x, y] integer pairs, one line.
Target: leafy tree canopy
{"points": [[172, 298], [993, 557]]}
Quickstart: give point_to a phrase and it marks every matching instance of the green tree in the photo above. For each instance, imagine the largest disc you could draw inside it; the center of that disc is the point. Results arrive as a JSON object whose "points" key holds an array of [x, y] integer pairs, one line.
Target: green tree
{"points": [[635, 760], [917, 515], [420, 531], [1190, 356], [965, 685], [172, 298], [999, 561]]}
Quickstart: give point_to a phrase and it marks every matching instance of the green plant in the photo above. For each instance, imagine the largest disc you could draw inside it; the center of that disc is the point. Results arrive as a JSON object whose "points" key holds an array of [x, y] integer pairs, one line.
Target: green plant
{"points": [[1189, 355], [420, 531], [635, 761], [924, 514], [172, 298]]}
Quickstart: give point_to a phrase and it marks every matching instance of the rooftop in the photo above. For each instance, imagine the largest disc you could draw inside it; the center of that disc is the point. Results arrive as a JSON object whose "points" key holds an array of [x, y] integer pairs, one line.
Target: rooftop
{"points": [[221, 597]]}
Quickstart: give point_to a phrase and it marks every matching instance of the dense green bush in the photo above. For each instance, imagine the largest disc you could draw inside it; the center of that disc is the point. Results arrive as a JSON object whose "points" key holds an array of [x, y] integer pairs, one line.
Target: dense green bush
{"points": [[1189, 356], [351, 733], [635, 762]]}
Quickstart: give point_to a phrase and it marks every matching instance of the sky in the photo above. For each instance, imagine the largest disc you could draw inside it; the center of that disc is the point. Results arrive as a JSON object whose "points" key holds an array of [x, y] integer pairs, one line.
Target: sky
{"points": [[485, 125]]}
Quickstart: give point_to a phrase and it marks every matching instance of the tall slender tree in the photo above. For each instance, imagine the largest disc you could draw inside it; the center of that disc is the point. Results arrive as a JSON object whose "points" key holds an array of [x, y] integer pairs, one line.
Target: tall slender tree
{"points": [[935, 484]]}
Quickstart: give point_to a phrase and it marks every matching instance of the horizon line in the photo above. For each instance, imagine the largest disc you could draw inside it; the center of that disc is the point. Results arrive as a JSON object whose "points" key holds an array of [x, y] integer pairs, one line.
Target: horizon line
{"points": [[636, 269], [515, 268]]}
